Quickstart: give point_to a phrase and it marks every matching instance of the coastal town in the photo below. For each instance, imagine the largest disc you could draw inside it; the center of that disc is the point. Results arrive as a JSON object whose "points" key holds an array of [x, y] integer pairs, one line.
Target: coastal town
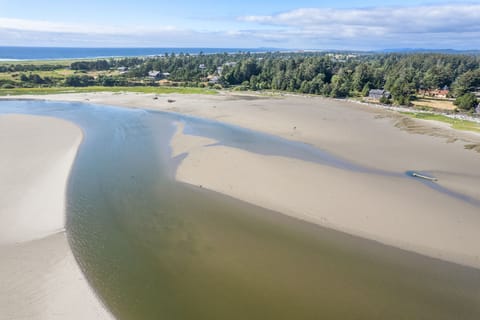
{"points": [[420, 85]]}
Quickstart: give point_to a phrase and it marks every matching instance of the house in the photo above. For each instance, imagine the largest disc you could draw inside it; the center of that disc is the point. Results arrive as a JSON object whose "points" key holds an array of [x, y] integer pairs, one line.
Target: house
{"points": [[122, 70], [213, 79], [377, 94], [340, 57], [442, 93], [154, 75], [436, 93], [477, 92]]}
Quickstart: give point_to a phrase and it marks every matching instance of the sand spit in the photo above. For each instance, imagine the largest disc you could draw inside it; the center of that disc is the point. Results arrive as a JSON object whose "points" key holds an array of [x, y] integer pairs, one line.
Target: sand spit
{"points": [[396, 211], [39, 277]]}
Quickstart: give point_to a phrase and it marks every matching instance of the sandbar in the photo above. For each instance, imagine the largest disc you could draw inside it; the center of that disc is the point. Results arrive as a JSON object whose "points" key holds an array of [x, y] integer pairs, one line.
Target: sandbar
{"points": [[39, 277]]}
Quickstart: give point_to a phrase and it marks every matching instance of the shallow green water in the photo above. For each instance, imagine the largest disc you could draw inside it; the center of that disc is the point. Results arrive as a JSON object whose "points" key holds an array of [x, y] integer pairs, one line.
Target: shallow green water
{"points": [[156, 249], [204, 256]]}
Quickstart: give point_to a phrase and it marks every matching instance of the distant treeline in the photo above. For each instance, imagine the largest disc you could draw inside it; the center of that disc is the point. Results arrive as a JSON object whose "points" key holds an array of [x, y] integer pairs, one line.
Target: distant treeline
{"points": [[333, 75], [30, 67]]}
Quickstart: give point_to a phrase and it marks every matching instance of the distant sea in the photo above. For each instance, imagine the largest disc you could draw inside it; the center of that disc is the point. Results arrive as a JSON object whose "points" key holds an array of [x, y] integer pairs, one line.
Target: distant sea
{"points": [[54, 53]]}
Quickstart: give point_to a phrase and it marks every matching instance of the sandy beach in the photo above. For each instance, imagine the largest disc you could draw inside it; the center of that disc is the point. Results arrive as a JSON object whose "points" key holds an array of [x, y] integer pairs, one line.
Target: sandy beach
{"points": [[392, 210], [39, 277]]}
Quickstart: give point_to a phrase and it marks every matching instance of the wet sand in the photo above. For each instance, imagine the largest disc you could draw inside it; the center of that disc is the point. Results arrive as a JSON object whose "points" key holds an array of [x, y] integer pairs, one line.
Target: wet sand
{"points": [[392, 210], [39, 277]]}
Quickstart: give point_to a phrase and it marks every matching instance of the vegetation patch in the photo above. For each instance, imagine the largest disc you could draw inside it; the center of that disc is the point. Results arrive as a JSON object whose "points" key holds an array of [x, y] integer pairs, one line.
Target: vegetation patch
{"points": [[457, 124], [427, 80], [431, 103]]}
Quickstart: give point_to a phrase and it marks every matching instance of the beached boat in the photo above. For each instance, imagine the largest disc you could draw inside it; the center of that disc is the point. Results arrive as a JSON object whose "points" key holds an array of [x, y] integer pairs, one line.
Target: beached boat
{"points": [[421, 176]]}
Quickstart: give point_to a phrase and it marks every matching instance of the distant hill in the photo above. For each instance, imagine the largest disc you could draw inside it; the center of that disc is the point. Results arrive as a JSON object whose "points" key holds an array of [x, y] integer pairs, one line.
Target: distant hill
{"points": [[422, 50], [386, 51]]}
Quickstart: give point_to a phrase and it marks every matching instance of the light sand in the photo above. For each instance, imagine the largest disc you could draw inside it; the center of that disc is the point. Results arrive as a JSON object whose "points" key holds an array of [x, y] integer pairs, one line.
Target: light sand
{"points": [[394, 211], [37, 154], [39, 277]]}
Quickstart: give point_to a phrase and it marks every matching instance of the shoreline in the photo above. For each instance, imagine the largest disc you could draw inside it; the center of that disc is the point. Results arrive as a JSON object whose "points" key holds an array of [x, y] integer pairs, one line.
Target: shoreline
{"points": [[39, 276], [413, 110], [296, 188], [398, 212]]}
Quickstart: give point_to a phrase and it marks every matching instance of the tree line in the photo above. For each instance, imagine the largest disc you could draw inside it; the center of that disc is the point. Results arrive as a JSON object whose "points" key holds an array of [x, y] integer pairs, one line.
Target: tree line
{"points": [[333, 75]]}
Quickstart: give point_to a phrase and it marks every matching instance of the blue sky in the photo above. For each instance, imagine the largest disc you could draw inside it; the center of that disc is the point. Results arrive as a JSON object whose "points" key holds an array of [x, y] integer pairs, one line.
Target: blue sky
{"points": [[301, 24]]}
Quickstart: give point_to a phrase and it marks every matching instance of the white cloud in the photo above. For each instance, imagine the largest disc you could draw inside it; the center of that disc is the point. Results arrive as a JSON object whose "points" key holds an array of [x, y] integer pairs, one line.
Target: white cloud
{"points": [[417, 19], [22, 32], [45, 33], [60, 27], [428, 26], [439, 26], [16, 32]]}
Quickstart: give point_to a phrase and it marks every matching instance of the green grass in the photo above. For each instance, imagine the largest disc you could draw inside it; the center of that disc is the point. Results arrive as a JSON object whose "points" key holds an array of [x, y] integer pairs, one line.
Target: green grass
{"points": [[58, 74], [457, 124], [61, 90], [43, 62]]}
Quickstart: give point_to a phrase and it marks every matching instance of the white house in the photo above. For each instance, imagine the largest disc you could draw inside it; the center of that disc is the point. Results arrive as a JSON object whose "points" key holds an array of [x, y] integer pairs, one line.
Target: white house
{"points": [[154, 75]]}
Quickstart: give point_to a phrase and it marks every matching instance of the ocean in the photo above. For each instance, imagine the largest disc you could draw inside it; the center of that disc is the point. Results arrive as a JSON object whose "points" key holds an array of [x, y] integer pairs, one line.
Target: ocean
{"points": [[54, 53]]}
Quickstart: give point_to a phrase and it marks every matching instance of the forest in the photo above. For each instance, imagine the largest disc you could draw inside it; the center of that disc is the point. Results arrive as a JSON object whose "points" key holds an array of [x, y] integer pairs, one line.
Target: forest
{"points": [[338, 75]]}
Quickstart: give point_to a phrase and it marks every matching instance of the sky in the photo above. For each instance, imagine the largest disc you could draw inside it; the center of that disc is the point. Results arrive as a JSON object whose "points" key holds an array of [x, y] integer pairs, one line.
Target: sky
{"points": [[299, 24]]}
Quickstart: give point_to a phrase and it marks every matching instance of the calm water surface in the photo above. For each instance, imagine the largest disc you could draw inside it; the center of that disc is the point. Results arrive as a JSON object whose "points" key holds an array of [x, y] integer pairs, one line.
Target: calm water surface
{"points": [[153, 248]]}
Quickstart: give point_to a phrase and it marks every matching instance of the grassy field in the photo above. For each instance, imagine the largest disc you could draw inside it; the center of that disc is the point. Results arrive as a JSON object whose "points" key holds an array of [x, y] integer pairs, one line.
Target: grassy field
{"points": [[59, 74], [454, 123], [55, 74], [60, 90], [65, 63], [434, 103]]}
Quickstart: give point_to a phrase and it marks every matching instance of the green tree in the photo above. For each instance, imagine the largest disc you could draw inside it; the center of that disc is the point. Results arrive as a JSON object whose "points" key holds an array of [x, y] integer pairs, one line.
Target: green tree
{"points": [[340, 85], [466, 102], [79, 81], [466, 82], [361, 77], [385, 100], [366, 89]]}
